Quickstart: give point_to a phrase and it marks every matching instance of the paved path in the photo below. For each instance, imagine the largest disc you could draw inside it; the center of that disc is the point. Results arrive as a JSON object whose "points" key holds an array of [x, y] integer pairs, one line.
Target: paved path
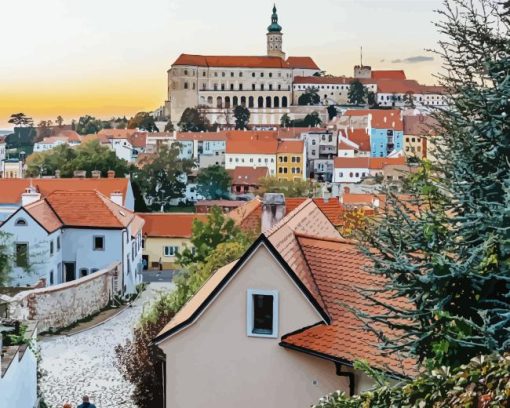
{"points": [[84, 363]]}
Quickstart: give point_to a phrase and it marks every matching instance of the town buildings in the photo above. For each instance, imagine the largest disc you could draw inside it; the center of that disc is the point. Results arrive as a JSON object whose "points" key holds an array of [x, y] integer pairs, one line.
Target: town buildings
{"points": [[165, 235]]}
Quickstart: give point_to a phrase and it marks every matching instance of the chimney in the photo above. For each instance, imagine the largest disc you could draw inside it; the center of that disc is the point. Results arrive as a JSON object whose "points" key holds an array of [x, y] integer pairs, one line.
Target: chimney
{"points": [[80, 174], [57, 173], [96, 174], [117, 198], [30, 196], [273, 210], [326, 196], [347, 190], [111, 173]]}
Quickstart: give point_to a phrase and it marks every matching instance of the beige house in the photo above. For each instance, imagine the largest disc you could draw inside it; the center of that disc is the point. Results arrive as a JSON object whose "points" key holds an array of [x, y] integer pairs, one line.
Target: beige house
{"points": [[268, 330]]}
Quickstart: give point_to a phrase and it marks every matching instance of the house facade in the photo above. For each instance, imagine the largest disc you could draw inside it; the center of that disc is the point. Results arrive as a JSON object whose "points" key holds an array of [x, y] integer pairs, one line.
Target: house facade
{"points": [[247, 337], [291, 160]]}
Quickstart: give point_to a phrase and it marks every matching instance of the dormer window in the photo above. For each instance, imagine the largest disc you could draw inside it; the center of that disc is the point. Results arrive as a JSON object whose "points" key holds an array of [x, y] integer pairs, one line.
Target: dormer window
{"points": [[262, 313], [21, 222]]}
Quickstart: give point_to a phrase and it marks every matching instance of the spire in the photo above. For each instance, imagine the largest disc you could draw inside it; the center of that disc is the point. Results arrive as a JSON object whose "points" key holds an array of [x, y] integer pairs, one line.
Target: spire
{"points": [[274, 27]]}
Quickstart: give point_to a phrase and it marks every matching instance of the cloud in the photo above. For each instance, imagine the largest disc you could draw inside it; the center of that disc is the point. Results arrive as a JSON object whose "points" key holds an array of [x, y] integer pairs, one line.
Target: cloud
{"points": [[413, 60]]}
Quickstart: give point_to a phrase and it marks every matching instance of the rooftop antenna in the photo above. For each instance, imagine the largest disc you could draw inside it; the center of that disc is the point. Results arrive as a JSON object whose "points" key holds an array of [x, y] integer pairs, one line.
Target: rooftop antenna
{"points": [[361, 55]]}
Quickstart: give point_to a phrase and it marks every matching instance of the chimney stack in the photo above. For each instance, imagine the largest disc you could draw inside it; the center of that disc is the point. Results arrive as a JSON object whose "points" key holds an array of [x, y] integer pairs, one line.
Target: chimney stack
{"points": [[57, 173], [80, 174], [273, 210], [30, 196], [96, 174], [117, 198], [111, 173]]}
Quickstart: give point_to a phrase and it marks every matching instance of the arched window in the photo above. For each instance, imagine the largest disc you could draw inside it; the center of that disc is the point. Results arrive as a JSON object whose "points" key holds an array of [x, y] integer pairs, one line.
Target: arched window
{"points": [[261, 102], [210, 100], [227, 102], [268, 101], [276, 102], [235, 101], [243, 101], [219, 102], [284, 102], [251, 102], [21, 222]]}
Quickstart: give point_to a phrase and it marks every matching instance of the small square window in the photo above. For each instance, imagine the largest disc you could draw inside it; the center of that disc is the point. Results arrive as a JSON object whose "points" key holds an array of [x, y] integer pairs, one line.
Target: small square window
{"points": [[22, 255], [98, 243], [262, 313]]}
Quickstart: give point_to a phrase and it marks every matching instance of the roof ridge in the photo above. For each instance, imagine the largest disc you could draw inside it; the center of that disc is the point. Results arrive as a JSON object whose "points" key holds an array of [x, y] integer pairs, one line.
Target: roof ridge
{"points": [[327, 239], [287, 217]]}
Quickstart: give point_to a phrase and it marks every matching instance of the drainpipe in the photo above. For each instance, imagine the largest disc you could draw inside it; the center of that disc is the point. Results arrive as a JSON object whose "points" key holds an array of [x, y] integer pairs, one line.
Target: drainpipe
{"points": [[122, 259], [349, 375]]}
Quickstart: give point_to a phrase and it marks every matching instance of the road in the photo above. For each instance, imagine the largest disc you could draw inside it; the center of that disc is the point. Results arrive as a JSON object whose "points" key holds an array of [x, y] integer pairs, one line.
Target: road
{"points": [[165, 275], [83, 364]]}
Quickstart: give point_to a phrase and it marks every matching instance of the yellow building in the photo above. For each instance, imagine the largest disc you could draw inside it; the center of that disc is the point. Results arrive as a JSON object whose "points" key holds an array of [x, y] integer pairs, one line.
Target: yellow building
{"points": [[291, 160], [164, 236]]}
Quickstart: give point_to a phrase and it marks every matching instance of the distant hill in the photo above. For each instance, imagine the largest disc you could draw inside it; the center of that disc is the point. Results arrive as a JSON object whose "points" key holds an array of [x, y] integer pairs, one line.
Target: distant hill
{"points": [[5, 132]]}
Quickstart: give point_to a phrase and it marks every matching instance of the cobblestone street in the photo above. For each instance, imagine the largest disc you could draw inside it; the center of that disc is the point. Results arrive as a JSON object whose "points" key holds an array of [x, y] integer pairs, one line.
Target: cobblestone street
{"points": [[84, 363]]}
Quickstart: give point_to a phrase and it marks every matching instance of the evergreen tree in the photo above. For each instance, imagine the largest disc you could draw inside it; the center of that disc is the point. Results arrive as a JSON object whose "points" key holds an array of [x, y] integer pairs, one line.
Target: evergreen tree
{"points": [[357, 93], [447, 249], [242, 115]]}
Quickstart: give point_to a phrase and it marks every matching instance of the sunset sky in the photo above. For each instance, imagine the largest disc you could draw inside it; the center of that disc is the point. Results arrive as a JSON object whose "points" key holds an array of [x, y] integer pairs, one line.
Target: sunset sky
{"points": [[109, 57]]}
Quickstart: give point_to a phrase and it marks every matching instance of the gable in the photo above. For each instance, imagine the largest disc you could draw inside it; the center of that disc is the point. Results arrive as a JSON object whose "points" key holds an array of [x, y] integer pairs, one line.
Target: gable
{"points": [[221, 295], [10, 226]]}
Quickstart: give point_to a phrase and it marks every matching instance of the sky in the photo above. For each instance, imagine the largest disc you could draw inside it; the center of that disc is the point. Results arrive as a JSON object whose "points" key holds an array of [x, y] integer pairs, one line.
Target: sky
{"points": [[109, 57]]}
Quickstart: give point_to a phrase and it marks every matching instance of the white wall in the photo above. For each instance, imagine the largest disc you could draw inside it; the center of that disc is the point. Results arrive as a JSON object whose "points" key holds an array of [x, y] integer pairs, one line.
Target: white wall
{"points": [[350, 175], [18, 387], [251, 160], [122, 148]]}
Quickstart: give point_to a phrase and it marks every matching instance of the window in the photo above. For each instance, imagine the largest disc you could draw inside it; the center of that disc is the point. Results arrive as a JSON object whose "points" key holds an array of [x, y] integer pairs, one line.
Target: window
{"points": [[185, 85], [93, 270], [20, 222], [51, 248], [58, 243], [98, 243], [143, 243], [22, 255], [262, 313], [52, 279], [83, 272], [170, 250]]}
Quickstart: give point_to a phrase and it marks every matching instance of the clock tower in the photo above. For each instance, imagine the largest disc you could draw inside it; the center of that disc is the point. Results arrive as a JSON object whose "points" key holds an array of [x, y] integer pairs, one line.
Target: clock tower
{"points": [[275, 37]]}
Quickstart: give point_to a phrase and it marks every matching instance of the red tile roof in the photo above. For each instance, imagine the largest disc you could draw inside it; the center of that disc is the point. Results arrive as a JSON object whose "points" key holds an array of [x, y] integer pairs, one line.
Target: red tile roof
{"points": [[249, 176], [205, 136], [368, 162], [227, 61], [360, 137], [302, 62], [338, 268], [388, 74], [407, 86], [71, 135], [11, 189], [170, 225], [44, 215], [139, 139], [331, 208], [117, 133], [420, 125], [291, 146], [89, 209], [381, 118], [330, 80], [252, 143]]}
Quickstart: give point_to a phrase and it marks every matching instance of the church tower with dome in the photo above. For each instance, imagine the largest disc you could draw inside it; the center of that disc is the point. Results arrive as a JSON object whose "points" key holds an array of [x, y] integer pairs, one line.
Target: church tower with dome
{"points": [[275, 37]]}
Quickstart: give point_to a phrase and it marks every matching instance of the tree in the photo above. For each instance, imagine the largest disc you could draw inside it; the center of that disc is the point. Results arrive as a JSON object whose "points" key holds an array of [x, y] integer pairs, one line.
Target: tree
{"points": [[332, 112], [88, 156], [312, 120], [409, 100], [214, 182], [43, 130], [21, 120], [372, 100], [285, 120], [206, 236], [242, 115], [169, 127], [310, 97], [60, 121], [5, 258], [357, 93], [143, 121], [446, 249], [163, 177], [294, 188], [194, 120], [88, 125]]}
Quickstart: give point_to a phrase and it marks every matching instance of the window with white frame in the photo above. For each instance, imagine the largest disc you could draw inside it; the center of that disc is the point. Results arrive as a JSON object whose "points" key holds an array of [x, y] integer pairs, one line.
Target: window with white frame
{"points": [[170, 250], [262, 313]]}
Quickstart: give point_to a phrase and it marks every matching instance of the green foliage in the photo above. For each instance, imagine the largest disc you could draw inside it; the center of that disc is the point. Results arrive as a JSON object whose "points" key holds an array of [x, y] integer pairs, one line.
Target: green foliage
{"points": [[194, 120], [447, 249], [310, 97], [21, 120], [22, 138], [143, 121], [207, 236], [312, 120], [332, 112], [5, 258], [169, 127], [357, 93], [163, 177], [242, 115], [88, 125], [285, 120], [214, 182], [483, 382], [294, 188], [87, 156]]}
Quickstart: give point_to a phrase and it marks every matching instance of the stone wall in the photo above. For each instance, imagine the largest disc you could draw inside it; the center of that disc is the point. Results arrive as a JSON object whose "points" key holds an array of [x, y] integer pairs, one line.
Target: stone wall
{"points": [[61, 305]]}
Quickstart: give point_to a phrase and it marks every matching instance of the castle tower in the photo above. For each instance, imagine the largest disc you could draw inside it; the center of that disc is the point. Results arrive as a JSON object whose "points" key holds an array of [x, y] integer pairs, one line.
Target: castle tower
{"points": [[275, 37]]}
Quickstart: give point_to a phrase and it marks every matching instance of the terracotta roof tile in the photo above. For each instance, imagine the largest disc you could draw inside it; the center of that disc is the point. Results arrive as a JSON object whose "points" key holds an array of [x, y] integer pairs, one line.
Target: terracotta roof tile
{"points": [[360, 137], [302, 62], [249, 176], [331, 208], [388, 74], [419, 125], [381, 118], [291, 146], [252, 143], [331, 80], [228, 61], [206, 136], [170, 225], [242, 212], [44, 215], [338, 268]]}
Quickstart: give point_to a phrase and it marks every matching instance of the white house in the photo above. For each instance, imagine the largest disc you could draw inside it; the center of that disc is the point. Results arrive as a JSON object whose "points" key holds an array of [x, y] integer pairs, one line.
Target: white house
{"points": [[49, 143], [70, 234], [272, 329], [255, 149], [351, 169], [2, 148]]}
